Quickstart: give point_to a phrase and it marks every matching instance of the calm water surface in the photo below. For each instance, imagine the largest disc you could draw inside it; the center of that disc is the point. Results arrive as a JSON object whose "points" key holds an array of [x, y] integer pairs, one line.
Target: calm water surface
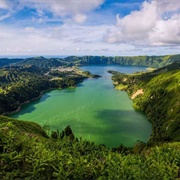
{"points": [[94, 110]]}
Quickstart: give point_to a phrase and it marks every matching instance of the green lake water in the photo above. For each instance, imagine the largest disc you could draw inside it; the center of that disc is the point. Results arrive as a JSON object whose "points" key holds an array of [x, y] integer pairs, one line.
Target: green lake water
{"points": [[94, 110]]}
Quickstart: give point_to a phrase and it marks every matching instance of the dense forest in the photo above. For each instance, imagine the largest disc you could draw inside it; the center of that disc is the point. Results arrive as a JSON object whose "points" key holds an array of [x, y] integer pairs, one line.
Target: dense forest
{"points": [[7, 61], [42, 62], [29, 151]]}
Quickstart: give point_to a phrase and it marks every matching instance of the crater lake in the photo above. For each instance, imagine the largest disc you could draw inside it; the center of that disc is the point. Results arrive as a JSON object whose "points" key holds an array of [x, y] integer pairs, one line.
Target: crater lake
{"points": [[94, 110]]}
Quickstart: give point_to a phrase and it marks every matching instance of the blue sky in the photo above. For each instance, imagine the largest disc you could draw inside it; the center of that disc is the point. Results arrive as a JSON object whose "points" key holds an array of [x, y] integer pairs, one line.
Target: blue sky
{"points": [[89, 27]]}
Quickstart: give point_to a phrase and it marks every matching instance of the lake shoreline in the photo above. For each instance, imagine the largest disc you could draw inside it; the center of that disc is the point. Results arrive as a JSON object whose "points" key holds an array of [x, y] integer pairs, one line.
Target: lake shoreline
{"points": [[33, 99], [42, 92], [93, 107]]}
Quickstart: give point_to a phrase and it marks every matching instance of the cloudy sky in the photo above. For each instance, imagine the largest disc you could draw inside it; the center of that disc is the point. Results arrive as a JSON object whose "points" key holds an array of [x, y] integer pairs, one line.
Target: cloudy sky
{"points": [[89, 27]]}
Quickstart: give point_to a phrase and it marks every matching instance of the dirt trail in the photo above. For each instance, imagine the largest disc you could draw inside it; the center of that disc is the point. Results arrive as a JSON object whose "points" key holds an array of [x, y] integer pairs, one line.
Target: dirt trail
{"points": [[140, 91]]}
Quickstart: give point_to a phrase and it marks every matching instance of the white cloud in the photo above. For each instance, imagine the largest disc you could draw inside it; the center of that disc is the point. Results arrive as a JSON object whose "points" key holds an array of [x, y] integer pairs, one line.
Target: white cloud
{"points": [[139, 22], [165, 6], [80, 18], [68, 39], [166, 32], [7, 8], [73, 10], [58, 40], [5, 16], [3, 4], [148, 26], [153, 29], [135, 26], [64, 8]]}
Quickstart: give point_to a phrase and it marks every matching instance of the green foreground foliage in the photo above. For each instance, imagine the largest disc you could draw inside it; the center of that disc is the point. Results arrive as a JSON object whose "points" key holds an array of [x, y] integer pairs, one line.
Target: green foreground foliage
{"points": [[27, 153]]}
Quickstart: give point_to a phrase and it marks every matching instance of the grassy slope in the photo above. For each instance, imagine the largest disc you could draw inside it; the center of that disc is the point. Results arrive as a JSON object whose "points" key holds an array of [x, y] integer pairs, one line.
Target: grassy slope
{"points": [[26, 153], [160, 100], [21, 126]]}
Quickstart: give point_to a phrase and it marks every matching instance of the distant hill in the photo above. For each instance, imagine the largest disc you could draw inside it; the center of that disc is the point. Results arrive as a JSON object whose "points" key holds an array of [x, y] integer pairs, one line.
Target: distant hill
{"points": [[7, 62], [15, 73], [148, 61], [42, 62]]}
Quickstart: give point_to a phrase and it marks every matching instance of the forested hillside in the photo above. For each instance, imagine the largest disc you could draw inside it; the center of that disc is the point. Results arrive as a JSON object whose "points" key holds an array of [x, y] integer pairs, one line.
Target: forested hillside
{"points": [[149, 61], [7, 61], [157, 94], [20, 84], [42, 62]]}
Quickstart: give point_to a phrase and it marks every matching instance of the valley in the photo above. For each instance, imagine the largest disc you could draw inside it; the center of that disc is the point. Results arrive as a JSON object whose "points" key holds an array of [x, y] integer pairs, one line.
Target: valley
{"points": [[121, 142]]}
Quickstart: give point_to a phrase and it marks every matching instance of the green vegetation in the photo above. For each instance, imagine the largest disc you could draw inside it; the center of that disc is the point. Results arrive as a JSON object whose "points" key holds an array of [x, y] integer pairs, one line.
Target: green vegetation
{"points": [[7, 61], [157, 94], [20, 84], [148, 61], [42, 62], [26, 152]]}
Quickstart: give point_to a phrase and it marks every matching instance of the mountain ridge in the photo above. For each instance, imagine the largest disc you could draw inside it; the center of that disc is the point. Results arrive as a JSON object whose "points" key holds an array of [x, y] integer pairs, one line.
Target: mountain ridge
{"points": [[148, 61]]}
